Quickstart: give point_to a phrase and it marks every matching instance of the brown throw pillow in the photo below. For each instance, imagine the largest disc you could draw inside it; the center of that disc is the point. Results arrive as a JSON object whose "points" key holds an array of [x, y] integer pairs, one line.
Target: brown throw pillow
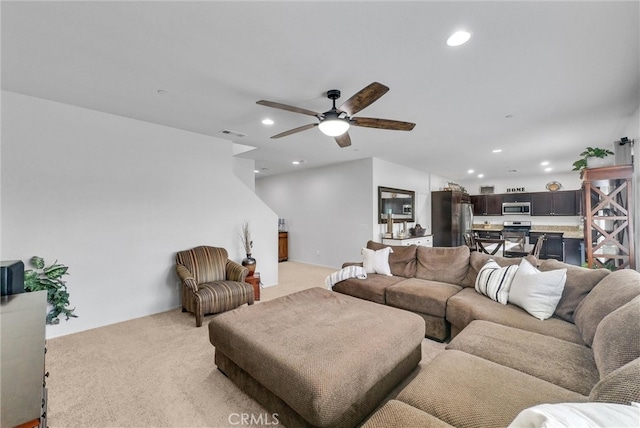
{"points": [[615, 289], [478, 259], [402, 261], [443, 264], [580, 281]]}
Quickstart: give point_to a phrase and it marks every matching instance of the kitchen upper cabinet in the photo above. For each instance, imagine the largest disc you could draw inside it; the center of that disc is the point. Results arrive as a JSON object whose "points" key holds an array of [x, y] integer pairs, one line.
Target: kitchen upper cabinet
{"points": [[555, 203], [516, 197], [487, 205]]}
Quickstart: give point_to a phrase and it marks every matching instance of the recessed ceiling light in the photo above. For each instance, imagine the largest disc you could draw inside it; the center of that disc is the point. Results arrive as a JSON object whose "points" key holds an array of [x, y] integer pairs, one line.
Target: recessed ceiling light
{"points": [[548, 169], [512, 170], [497, 150], [458, 38], [480, 175], [256, 171], [161, 92], [471, 171], [544, 163], [508, 116], [267, 122], [298, 162]]}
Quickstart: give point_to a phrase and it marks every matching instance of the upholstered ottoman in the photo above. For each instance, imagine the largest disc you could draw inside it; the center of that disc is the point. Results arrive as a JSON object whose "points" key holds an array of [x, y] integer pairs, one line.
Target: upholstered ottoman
{"points": [[317, 358]]}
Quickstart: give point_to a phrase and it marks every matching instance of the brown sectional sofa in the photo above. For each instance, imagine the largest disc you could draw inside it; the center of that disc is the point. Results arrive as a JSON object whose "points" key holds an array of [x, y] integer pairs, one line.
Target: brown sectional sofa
{"points": [[501, 360]]}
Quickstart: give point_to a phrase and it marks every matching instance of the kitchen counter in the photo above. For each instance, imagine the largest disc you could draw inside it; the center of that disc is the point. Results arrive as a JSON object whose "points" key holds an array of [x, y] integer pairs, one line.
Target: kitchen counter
{"points": [[569, 232], [497, 227]]}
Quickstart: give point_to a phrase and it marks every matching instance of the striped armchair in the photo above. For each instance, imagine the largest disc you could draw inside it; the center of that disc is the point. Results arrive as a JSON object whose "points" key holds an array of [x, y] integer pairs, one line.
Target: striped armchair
{"points": [[211, 283]]}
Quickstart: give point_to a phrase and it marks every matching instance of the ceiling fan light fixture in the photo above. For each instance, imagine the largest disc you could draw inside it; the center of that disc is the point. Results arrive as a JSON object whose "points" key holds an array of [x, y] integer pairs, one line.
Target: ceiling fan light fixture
{"points": [[333, 125]]}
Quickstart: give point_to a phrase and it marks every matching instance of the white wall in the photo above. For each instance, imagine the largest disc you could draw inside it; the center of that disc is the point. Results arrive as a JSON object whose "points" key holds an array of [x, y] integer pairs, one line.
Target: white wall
{"points": [[327, 210], [114, 199], [331, 212], [389, 174]]}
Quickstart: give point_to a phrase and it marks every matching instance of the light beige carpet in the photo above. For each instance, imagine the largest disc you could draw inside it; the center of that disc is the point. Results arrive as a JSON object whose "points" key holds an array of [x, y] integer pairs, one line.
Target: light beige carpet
{"points": [[158, 371]]}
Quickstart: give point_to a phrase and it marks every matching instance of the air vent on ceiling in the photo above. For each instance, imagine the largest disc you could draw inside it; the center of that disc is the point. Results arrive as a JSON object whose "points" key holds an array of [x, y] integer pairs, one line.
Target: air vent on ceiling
{"points": [[231, 133]]}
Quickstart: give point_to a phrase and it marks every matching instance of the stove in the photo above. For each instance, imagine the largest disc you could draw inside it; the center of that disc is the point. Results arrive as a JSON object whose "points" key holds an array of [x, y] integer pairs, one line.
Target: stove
{"points": [[516, 231]]}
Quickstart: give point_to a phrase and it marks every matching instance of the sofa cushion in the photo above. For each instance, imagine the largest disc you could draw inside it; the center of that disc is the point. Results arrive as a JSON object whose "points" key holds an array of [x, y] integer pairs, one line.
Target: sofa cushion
{"points": [[580, 281], [468, 391], [478, 259], [562, 363], [468, 305], [376, 261], [419, 295], [372, 289], [402, 261], [621, 386], [537, 292], [617, 338], [443, 264], [495, 282], [613, 291], [398, 414]]}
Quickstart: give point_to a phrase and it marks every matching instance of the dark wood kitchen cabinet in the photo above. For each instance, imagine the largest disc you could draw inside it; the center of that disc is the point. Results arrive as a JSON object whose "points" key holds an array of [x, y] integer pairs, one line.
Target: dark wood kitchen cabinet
{"points": [[487, 205], [516, 197], [489, 234], [553, 246], [574, 251], [555, 203]]}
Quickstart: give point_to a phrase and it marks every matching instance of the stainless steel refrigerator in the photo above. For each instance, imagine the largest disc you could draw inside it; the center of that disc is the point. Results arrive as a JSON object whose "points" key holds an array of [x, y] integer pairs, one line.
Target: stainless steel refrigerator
{"points": [[451, 218]]}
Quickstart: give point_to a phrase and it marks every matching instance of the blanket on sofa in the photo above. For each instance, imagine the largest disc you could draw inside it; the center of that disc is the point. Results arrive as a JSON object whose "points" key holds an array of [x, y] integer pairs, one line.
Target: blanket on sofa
{"points": [[345, 273]]}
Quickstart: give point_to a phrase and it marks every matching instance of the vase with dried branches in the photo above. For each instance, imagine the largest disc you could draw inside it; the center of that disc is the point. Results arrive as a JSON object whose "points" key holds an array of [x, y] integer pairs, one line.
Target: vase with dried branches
{"points": [[245, 236]]}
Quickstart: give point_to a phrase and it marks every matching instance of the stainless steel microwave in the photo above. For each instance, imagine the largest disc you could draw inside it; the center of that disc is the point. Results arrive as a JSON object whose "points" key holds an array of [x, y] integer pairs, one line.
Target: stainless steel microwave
{"points": [[516, 208]]}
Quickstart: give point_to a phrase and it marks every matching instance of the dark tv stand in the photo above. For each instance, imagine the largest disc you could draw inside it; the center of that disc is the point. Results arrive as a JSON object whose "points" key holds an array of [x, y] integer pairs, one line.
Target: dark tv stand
{"points": [[22, 347]]}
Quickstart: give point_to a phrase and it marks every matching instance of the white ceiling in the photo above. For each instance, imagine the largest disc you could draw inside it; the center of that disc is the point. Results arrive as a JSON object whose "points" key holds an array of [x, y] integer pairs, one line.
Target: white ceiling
{"points": [[568, 73]]}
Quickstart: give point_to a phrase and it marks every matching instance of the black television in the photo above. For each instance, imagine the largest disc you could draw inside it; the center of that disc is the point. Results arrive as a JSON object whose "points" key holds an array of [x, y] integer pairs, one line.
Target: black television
{"points": [[11, 277]]}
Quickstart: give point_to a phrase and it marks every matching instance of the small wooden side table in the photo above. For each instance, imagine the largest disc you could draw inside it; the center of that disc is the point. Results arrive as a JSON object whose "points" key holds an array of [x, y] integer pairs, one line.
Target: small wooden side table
{"points": [[254, 280]]}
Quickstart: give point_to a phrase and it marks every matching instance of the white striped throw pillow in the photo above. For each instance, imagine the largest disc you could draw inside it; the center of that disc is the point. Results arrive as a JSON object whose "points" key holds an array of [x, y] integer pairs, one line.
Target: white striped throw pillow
{"points": [[494, 281]]}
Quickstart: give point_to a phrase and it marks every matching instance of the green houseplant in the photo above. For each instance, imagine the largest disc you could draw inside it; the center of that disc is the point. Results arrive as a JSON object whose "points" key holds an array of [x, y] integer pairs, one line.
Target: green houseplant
{"points": [[49, 278], [590, 152]]}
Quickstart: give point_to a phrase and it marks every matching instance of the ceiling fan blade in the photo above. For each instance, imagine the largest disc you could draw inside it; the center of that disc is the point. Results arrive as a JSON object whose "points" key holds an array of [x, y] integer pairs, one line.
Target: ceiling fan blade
{"points": [[343, 140], [295, 130], [370, 122], [364, 98], [288, 108]]}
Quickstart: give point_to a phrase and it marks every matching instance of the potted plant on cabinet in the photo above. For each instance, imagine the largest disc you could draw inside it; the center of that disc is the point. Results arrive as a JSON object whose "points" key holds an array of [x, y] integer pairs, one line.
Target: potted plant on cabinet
{"points": [[49, 278], [592, 158]]}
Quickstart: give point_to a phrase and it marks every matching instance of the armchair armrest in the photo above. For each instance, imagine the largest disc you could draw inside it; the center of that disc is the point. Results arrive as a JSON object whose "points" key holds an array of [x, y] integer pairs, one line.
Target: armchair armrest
{"points": [[235, 271], [347, 264], [186, 277]]}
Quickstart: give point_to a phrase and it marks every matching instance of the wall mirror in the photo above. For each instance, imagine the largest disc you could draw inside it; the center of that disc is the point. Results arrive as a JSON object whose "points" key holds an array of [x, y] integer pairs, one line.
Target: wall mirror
{"points": [[401, 204]]}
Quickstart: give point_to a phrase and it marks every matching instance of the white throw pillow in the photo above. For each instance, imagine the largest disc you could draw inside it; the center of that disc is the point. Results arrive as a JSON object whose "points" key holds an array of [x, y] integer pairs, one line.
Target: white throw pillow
{"points": [[570, 415], [494, 281], [537, 292], [377, 261]]}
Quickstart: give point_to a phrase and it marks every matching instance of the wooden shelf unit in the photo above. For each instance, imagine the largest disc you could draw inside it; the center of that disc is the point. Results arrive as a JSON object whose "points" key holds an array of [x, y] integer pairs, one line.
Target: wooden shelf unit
{"points": [[608, 207], [283, 246]]}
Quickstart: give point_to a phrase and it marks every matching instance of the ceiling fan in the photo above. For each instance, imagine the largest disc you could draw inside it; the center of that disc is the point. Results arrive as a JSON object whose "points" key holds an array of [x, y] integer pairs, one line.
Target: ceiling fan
{"points": [[335, 122]]}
